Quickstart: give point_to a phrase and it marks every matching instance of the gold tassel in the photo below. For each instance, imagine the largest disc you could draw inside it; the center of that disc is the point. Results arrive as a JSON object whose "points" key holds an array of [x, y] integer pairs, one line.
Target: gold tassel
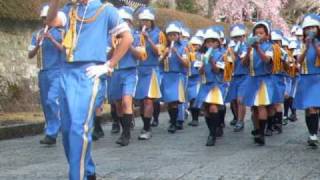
{"points": [[276, 68], [69, 41], [192, 53], [317, 62], [142, 48], [162, 43], [229, 58]]}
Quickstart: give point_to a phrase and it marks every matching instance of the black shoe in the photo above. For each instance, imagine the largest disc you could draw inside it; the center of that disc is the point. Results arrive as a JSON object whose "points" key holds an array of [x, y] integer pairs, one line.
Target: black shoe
{"points": [[179, 125], [91, 177], [123, 140], [259, 140], [95, 136], [132, 124], [254, 132], [219, 131], [155, 123], [233, 122], [193, 123], [278, 128], [48, 140], [285, 121], [211, 141], [115, 128], [172, 128], [268, 132], [293, 118], [97, 133]]}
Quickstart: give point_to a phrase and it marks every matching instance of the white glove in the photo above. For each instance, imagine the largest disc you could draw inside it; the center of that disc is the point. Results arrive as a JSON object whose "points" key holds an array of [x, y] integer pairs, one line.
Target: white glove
{"points": [[98, 70], [220, 65], [198, 64]]}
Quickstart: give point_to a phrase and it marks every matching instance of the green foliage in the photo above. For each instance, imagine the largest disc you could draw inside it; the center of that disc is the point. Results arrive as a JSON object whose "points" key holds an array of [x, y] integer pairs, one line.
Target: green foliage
{"points": [[187, 6]]}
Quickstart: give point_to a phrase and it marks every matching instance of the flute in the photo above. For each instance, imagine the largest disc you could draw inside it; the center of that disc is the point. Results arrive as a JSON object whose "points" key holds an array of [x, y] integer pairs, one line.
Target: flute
{"points": [[144, 28], [171, 46], [44, 31]]}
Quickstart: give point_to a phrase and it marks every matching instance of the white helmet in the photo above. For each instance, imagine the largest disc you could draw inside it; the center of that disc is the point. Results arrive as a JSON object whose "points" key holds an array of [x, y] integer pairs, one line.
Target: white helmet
{"points": [[311, 20], [285, 42], [264, 23], [293, 45], [126, 13], [237, 30], [195, 40], [211, 34], [146, 14], [185, 33], [173, 27], [44, 11], [276, 35]]}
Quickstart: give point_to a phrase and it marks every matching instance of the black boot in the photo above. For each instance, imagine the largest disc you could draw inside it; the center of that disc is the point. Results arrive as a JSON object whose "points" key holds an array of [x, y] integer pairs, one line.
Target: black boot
{"points": [[98, 127], [260, 139], [156, 112], [91, 177], [308, 123], [222, 115], [195, 117], [212, 123], [125, 136], [314, 127], [269, 129], [278, 122], [115, 129], [173, 113], [211, 137]]}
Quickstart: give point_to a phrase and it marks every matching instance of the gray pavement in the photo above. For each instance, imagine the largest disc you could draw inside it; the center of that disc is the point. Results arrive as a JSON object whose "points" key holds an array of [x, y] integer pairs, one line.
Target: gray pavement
{"points": [[179, 156]]}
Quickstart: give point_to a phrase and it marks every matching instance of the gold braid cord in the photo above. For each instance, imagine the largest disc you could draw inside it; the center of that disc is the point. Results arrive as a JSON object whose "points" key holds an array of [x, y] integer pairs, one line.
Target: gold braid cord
{"points": [[69, 41]]}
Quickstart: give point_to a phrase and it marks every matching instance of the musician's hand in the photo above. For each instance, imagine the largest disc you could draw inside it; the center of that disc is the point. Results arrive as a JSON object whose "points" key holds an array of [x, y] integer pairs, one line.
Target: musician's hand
{"points": [[145, 34], [255, 45], [48, 35], [39, 40], [98, 70], [174, 50]]}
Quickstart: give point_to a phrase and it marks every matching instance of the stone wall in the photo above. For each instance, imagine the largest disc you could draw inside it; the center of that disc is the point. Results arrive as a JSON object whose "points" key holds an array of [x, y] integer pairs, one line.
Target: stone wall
{"points": [[18, 74]]}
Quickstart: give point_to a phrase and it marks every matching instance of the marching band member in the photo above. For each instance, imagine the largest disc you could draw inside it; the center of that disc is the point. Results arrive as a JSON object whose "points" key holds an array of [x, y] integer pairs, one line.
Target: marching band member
{"points": [[124, 78], [174, 61], [194, 80], [258, 87], [148, 87], [308, 98], [213, 90], [47, 46], [237, 34], [88, 24]]}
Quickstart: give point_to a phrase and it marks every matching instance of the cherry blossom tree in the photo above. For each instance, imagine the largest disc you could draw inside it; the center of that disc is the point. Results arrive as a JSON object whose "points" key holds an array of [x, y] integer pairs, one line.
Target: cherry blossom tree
{"points": [[242, 10]]}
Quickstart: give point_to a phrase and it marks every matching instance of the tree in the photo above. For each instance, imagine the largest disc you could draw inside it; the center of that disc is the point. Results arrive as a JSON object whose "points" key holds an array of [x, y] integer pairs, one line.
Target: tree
{"points": [[172, 4], [234, 11]]}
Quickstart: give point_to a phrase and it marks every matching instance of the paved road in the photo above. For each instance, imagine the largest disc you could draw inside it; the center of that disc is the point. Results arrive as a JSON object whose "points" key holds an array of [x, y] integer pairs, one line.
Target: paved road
{"points": [[179, 156]]}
